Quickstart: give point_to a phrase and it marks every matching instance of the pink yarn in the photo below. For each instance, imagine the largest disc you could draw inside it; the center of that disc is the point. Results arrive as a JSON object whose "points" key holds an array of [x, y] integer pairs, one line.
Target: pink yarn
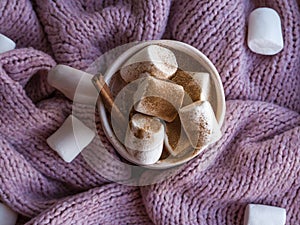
{"points": [[256, 161]]}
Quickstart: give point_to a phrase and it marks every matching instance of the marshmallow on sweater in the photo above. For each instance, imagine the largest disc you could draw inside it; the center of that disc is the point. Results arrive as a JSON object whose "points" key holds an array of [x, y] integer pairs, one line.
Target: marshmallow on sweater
{"points": [[6, 44], [7, 216], [264, 32], [160, 62], [75, 84], [263, 214], [71, 138]]}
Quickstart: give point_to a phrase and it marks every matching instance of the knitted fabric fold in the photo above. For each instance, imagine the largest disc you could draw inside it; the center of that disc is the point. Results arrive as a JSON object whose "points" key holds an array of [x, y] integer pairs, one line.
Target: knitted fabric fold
{"points": [[29, 192], [20, 23], [79, 31], [255, 161], [25, 125], [99, 207]]}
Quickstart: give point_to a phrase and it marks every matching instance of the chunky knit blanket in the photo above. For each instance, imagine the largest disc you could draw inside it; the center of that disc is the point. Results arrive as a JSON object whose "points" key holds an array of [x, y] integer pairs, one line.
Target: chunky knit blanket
{"points": [[256, 161]]}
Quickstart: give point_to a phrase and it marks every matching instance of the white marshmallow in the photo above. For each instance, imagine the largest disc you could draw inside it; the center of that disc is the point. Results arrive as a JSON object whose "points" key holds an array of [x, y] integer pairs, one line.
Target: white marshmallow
{"points": [[263, 214], [160, 62], [158, 98], [75, 84], [6, 44], [144, 138], [71, 138], [200, 124], [195, 84], [264, 32], [7, 216]]}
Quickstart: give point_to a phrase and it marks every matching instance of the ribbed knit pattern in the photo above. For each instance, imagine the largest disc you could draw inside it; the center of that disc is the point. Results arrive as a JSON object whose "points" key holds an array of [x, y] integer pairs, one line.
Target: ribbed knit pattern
{"points": [[19, 22], [98, 204], [80, 30], [256, 161]]}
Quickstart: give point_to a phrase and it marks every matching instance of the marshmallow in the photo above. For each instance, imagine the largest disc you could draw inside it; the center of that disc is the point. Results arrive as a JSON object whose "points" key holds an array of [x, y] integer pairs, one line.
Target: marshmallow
{"points": [[160, 62], [6, 44], [200, 124], [74, 84], [264, 32], [176, 141], [263, 214], [195, 84], [71, 138], [144, 139], [7, 216], [158, 98]]}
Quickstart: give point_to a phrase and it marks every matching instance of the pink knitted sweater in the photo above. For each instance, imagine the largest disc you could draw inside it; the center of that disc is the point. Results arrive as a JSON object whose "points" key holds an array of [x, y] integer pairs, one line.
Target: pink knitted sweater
{"points": [[256, 161]]}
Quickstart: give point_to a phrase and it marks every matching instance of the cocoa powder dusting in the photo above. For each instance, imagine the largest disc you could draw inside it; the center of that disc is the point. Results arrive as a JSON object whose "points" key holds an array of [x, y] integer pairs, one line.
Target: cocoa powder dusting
{"points": [[137, 132], [159, 107], [173, 131], [203, 132], [143, 126], [190, 86]]}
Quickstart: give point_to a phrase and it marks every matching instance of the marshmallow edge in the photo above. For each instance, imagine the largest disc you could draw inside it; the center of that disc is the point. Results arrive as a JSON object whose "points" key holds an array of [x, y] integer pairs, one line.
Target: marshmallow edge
{"points": [[6, 44], [7, 215], [257, 214]]}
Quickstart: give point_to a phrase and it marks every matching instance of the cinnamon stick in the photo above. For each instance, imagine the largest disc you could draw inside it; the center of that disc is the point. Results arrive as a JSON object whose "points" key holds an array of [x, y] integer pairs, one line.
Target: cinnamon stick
{"points": [[107, 99]]}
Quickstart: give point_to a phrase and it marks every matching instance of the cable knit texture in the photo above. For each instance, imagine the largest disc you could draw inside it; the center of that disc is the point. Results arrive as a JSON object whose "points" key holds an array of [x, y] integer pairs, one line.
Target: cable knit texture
{"points": [[256, 161]]}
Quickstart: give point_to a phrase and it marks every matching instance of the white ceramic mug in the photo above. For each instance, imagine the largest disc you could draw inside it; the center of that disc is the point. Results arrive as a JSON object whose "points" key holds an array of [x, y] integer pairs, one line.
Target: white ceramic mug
{"points": [[218, 103]]}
